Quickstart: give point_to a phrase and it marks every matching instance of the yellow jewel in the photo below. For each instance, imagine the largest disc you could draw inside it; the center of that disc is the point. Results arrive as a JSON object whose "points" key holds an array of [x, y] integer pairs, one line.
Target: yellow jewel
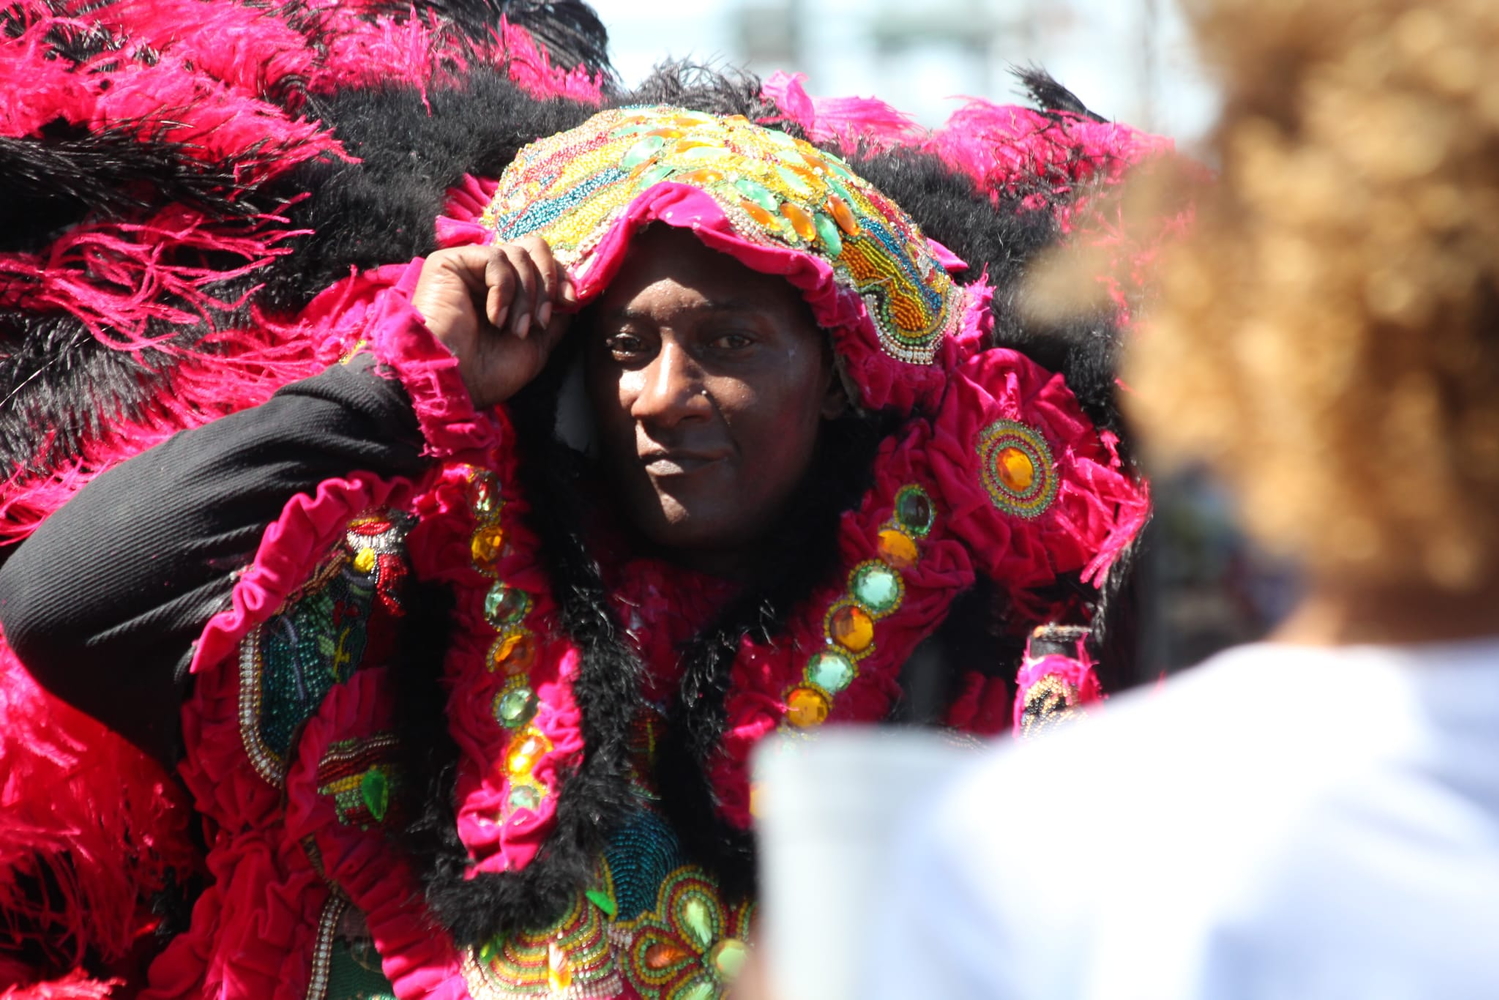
{"points": [[898, 548], [807, 707], [852, 628], [487, 545], [1015, 469], [364, 560]]}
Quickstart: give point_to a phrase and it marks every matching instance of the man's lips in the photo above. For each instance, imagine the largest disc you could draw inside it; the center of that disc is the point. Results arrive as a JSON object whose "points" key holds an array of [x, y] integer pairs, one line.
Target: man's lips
{"points": [[679, 462]]}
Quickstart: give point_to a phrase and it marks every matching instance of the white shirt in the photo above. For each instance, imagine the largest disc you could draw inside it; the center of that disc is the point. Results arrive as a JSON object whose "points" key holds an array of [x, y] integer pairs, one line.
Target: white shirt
{"points": [[1281, 822]]}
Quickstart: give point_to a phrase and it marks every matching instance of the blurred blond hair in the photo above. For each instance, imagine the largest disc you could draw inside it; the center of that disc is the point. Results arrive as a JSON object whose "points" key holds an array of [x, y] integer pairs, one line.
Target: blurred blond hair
{"points": [[1328, 337]]}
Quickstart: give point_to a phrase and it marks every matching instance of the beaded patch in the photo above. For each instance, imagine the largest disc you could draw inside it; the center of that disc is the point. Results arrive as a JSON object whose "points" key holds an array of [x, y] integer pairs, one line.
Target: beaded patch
{"points": [[774, 189], [691, 946], [1017, 469], [651, 921], [1050, 702], [320, 636], [572, 959], [361, 778]]}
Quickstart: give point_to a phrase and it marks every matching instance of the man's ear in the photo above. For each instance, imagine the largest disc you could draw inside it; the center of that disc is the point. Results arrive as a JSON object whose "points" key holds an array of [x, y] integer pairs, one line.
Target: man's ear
{"points": [[835, 399]]}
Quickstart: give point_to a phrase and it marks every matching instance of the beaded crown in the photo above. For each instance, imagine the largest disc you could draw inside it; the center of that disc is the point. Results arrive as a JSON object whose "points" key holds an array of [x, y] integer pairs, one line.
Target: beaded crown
{"points": [[772, 189]]}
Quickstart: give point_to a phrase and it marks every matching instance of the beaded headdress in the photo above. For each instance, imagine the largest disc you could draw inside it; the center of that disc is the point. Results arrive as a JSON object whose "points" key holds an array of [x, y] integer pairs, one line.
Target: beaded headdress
{"points": [[777, 203]]}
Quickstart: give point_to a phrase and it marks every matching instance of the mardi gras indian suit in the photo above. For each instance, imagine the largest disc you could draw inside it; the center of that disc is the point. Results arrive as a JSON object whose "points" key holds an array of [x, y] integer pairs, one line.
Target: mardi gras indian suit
{"points": [[573, 820]]}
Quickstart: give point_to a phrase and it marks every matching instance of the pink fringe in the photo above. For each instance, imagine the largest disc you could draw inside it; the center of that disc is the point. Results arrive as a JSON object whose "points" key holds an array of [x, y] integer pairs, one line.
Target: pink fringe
{"points": [[102, 821], [74, 986], [854, 123]]}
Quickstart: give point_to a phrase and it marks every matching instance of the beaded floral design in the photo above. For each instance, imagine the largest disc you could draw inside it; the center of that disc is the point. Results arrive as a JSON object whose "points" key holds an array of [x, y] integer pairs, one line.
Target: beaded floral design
{"points": [[774, 190]]}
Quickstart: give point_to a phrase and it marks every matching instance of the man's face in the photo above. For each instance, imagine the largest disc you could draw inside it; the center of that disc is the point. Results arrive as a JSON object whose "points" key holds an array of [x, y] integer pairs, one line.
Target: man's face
{"points": [[709, 383]]}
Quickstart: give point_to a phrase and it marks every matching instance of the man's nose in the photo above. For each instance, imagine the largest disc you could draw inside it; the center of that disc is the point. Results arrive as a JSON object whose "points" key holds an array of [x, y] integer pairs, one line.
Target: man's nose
{"points": [[672, 389]]}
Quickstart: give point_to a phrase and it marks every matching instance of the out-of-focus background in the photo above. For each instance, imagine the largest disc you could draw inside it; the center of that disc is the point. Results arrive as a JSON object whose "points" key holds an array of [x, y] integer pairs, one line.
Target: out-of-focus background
{"points": [[1127, 59], [1203, 588]]}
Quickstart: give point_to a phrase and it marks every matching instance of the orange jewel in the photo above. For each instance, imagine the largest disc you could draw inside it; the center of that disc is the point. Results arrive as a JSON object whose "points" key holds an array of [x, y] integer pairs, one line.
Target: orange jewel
{"points": [[487, 545], [898, 548], [800, 220], [701, 178], [757, 213], [514, 654], [843, 215], [1015, 469], [687, 144], [666, 133], [852, 628], [806, 707], [662, 955]]}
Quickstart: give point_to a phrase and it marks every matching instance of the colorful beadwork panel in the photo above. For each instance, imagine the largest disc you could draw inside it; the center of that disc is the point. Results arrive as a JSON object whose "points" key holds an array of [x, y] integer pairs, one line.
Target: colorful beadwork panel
{"points": [[339, 621], [773, 189]]}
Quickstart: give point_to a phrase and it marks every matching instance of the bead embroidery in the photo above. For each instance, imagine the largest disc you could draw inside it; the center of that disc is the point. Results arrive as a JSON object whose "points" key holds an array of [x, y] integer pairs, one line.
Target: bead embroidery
{"points": [[319, 637], [1016, 467], [360, 777], [774, 189]]}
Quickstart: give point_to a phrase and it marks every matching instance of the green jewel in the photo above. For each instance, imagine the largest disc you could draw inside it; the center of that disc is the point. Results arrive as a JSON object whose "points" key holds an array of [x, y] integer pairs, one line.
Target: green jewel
{"points": [[696, 918], [780, 138], [727, 958], [702, 991], [488, 950], [657, 173], [505, 605], [625, 130], [603, 901], [514, 707], [877, 587], [914, 510], [827, 229], [830, 671], [841, 191], [375, 790], [839, 167], [524, 797], [642, 151], [758, 193]]}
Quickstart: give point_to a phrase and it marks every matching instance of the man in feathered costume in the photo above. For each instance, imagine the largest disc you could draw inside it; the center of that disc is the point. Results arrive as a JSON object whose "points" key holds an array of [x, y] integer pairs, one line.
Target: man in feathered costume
{"points": [[491, 548]]}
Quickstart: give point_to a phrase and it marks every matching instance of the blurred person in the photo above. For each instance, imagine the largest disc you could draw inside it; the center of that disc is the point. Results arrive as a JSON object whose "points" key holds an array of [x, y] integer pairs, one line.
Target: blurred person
{"points": [[1317, 815]]}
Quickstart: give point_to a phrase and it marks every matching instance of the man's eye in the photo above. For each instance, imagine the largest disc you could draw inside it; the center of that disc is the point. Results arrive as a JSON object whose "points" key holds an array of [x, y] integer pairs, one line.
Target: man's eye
{"points": [[624, 345], [732, 341]]}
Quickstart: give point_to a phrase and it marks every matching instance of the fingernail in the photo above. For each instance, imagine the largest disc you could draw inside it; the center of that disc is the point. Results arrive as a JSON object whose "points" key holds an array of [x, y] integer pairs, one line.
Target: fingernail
{"points": [[569, 290], [499, 317], [544, 314], [522, 325]]}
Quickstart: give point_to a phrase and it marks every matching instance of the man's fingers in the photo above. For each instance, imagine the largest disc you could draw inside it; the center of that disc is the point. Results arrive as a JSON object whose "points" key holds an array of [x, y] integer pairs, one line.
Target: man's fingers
{"points": [[557, 288], [527, 300], [501, 283]]}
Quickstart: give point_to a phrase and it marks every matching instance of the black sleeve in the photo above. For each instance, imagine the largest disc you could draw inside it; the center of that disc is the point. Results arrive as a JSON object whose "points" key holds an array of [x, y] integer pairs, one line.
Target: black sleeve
{"points": [[104, 601]]}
